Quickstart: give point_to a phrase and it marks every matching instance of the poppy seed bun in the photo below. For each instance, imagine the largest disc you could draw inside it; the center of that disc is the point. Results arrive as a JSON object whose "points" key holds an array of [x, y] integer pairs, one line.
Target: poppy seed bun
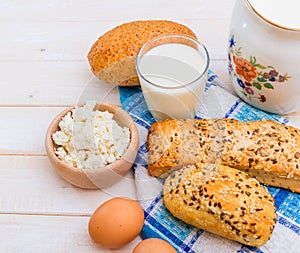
{"points": [[112, 56]]}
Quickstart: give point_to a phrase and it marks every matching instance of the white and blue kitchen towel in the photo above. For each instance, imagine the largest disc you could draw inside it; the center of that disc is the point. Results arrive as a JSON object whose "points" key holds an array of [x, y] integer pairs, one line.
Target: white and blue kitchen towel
{"points": [[218, 103]]}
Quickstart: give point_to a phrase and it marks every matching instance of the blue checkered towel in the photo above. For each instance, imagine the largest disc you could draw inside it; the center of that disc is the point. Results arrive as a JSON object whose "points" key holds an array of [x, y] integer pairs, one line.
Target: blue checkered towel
{"points": [[218, 103]]}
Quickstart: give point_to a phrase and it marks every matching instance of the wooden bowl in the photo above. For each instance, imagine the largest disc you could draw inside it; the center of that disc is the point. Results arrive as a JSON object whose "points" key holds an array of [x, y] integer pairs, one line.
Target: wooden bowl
{"points": [[98, 177]]}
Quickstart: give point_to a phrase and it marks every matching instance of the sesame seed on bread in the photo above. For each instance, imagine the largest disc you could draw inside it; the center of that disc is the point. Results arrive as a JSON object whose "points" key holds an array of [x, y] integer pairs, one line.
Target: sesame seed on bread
{"points": [[221, 200], [112, 56], [265, 149]]}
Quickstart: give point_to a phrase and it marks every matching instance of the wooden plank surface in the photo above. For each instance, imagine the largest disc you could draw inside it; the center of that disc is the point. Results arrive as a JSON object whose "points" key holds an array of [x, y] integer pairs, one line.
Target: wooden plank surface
{"points": [[62, 84], [78, 10], [32, 186], [36, 234], [69, 41], [23, 129], [52, 83]]}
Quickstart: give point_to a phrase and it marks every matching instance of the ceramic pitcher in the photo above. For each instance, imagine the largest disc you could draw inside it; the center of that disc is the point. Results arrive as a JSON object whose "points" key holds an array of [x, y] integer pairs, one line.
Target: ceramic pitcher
{"points": [[264, 54]]}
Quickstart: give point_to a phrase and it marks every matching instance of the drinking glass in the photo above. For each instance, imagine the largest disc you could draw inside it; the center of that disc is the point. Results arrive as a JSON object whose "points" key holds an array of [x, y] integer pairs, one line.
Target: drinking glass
{"points": [[172, 70]]}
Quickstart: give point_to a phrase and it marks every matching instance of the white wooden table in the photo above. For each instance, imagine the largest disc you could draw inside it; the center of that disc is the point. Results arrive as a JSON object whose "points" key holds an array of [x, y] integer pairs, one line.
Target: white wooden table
{"points": [[43, 69]]}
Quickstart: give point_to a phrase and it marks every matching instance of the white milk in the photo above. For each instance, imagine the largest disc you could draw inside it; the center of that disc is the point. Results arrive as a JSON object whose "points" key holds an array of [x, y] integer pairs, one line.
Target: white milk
{"points": [[173, 81], [282, 13]]}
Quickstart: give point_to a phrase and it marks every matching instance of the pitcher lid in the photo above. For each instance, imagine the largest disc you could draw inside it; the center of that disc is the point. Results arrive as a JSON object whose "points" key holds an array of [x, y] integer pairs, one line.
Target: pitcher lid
{"points": [[281, 13]]}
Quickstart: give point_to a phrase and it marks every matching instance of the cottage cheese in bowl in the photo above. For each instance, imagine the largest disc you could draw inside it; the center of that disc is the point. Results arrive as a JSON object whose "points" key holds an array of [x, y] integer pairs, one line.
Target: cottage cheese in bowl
{"points": [[90, 139]]}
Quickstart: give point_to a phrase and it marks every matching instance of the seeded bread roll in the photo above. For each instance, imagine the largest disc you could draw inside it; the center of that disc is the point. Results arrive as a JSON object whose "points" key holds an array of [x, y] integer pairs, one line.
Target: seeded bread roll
{"points": [[112, 56], [267, 150], [221, 200]]}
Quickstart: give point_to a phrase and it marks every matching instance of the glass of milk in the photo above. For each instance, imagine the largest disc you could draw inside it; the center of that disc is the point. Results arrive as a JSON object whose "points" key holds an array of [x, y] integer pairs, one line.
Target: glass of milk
{"points": [[172, 71]]}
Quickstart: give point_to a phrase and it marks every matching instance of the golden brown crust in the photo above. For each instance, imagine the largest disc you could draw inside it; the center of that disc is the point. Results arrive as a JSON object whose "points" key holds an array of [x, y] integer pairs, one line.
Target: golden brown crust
{"points": [[223, 201], [265, 149], [112, 56]]}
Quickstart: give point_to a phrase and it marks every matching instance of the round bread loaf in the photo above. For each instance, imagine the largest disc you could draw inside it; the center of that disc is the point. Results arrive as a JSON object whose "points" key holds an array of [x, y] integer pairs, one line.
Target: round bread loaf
{"points": [[112, 56], [221, 200]]}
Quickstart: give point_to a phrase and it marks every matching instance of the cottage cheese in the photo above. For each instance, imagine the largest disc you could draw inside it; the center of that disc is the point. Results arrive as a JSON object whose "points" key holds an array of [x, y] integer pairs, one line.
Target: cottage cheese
{"points": [[90, 139]]}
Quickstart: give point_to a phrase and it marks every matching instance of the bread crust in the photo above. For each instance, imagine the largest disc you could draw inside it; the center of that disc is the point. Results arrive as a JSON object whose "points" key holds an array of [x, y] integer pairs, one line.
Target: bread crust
{"points": [[112, 56], [221, 200], [265, 149]]}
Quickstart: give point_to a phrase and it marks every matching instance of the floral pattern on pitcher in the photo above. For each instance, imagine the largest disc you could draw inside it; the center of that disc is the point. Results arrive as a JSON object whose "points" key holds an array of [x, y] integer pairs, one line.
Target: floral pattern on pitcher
{"points": [[251, 76]]}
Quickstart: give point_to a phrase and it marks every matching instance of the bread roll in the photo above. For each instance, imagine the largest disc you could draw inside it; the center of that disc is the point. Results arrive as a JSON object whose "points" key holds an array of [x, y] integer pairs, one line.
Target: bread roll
{"points": [[265, 149], [223, 201], [112, 56]]}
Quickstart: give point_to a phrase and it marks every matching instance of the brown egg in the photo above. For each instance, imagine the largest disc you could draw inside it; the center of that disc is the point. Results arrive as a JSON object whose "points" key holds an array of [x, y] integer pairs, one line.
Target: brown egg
{"points": [[154, 245], [116, 222]]}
